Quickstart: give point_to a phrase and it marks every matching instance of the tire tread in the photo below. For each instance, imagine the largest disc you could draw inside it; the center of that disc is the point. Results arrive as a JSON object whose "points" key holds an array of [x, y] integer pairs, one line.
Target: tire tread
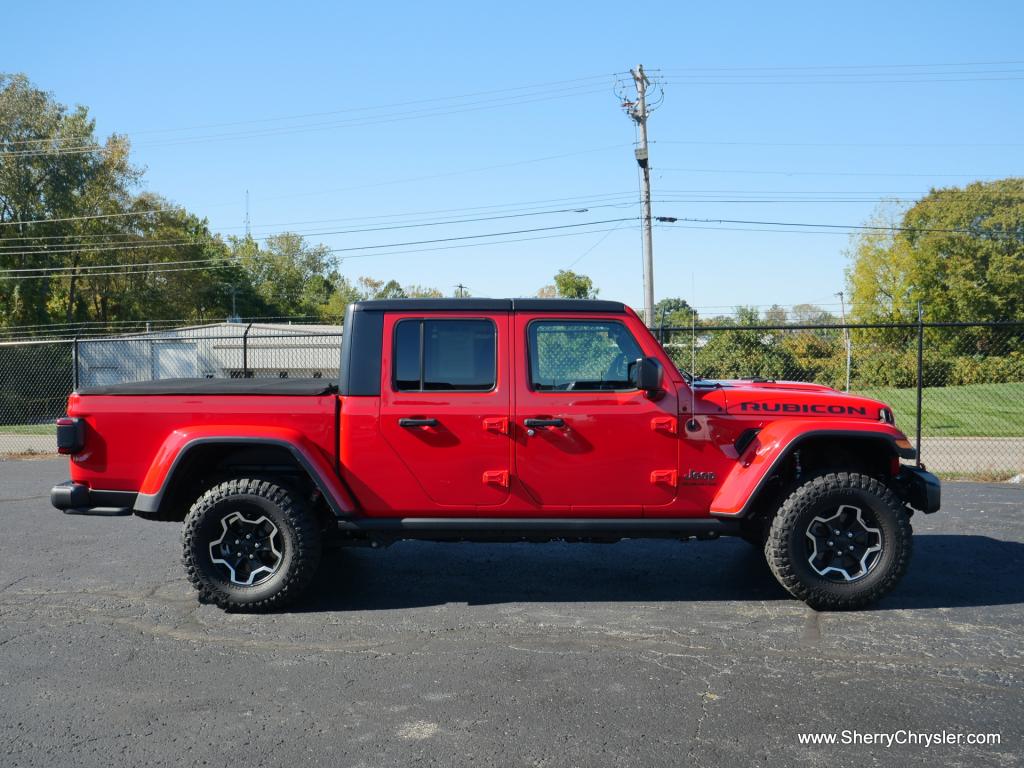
{"points": [[307, 538], [780, 558]]}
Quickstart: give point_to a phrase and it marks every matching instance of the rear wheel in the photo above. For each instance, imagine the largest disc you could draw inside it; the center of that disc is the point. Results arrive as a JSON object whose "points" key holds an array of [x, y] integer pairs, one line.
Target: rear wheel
{"points": [[840, 541], [250, 544]]}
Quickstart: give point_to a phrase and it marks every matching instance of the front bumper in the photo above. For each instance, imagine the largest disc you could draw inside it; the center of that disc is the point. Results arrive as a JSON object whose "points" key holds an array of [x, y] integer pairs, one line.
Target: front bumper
{"points": [[73, 498], [920, 489]]}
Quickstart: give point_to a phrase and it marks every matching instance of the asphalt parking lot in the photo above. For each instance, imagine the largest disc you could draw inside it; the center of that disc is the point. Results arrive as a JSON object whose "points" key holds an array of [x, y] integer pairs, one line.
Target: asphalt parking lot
{"points": [[633, 654]]}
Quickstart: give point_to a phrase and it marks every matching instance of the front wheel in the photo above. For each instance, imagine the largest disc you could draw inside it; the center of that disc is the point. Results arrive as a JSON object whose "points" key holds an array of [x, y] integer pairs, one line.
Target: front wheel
{"points": [[250, 544], [840, 541]]}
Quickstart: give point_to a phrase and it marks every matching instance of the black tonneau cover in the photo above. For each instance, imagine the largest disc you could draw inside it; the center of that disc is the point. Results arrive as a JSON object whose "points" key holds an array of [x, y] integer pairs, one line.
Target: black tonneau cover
{"points": [[275, 386]]}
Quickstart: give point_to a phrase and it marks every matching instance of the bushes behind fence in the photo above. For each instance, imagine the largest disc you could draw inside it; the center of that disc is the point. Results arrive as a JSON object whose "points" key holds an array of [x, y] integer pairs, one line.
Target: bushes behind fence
{"points": [[952, 356]]}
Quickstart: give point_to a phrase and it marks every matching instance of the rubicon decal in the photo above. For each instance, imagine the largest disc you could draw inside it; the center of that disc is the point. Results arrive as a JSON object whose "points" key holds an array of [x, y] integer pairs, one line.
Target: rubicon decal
{"points": [[834, 410]]}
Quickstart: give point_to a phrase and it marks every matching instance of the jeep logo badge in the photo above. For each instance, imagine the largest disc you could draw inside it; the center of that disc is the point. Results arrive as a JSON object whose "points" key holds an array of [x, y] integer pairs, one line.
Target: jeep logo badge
{"points": [[696, 476]]}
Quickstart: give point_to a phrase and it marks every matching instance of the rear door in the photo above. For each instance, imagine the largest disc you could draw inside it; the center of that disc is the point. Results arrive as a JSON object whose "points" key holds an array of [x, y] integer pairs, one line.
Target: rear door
{"points": [[587, 442], [445, 404]]}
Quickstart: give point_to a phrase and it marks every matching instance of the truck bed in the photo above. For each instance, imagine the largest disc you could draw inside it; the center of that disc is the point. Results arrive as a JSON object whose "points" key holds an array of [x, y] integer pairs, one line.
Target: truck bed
{"points": [[275, 386]]}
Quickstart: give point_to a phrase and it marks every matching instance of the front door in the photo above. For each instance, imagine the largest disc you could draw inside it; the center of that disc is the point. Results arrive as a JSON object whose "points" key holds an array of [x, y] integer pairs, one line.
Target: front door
{"points": [[587, 442], [445, 405]]}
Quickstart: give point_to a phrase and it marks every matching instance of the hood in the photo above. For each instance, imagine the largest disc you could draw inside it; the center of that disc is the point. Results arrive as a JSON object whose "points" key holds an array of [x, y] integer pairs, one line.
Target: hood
{"points": [[756, 397]]}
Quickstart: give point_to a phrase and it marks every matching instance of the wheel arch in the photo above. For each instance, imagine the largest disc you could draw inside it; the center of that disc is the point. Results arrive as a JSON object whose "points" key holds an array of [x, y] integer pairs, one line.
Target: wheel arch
{"points": [[760, 475], [187, 463]]}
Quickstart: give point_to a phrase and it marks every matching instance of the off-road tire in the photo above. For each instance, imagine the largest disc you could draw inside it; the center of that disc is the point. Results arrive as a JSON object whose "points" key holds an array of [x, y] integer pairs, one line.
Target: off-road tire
{"points": [[299, 537], [786, 549]]}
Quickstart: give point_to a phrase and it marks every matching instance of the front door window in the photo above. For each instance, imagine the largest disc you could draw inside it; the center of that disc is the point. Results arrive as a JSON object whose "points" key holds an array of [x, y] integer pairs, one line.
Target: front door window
{"points": [[581, 356]]}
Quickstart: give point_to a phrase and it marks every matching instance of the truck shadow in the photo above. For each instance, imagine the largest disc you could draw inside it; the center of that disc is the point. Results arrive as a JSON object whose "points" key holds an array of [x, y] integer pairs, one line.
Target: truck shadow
{"points": [[946, 571]]}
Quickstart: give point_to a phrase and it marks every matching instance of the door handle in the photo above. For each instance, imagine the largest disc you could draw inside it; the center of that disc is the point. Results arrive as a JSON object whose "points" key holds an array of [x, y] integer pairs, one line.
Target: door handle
{"points": [[417, 422], [544, 422]]}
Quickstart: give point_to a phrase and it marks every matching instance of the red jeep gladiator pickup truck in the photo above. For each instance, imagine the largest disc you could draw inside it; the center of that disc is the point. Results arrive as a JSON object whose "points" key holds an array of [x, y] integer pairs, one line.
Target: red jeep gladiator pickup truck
{"points": [[498, 420]]}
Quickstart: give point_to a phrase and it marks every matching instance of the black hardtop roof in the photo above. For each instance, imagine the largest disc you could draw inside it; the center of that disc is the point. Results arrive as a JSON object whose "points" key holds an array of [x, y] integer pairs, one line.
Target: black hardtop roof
{"points": [[488, 305]]}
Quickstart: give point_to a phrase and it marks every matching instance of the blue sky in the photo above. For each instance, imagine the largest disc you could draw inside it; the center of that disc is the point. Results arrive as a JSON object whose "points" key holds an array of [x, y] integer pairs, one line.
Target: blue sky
{"points": [[290, 102]]}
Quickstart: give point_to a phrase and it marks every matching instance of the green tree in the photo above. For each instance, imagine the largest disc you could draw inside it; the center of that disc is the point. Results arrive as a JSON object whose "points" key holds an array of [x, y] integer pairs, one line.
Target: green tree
{"points": [[345, 292], [288, 274], [69, 202], [810, 314], [674, 313], [40, 184], [743, 353], [960, 252], [414, 291], [190, 277], [570, 285]]}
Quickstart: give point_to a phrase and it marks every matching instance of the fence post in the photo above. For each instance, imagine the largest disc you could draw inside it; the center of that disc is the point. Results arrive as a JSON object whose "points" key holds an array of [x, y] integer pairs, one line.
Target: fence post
{"points": [[920, 375], [245, 352], [74, 362]]}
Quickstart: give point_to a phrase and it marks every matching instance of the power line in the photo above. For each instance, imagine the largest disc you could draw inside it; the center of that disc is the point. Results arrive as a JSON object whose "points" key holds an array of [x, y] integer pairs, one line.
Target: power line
{"points": [[281, 118], [824, 145], [65, 248], [89, 217], [713, 195], [884, 193], [474, 237], [156, 267], [846, 66], [596, 243], [359, 187], [866, 80], [545, 88], [785, 200], [120, 273], [522, 206], [846, 227], [476, 245], [132, 269], [351, 123], [824, 173], [86, 270], [831, 72], [448, 174]]}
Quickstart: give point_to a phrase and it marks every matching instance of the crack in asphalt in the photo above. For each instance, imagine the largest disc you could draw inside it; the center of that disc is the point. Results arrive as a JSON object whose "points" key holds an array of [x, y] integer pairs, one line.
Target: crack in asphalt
{"points": [[705, 697], [189, 627]]}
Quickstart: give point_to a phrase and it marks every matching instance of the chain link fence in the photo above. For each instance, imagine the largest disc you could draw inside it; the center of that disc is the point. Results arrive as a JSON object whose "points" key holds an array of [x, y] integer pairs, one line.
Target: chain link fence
{"points": [[36, 377], [971, 375], [971, 379]]}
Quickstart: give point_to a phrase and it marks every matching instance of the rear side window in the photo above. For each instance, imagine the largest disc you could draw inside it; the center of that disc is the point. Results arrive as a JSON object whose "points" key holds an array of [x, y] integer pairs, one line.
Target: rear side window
{"points": [[584, 355], [444, 355]]}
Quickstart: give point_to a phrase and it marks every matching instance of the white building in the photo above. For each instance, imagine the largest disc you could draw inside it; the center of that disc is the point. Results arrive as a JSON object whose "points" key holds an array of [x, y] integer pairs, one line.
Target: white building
{"points": [[218, 350]]}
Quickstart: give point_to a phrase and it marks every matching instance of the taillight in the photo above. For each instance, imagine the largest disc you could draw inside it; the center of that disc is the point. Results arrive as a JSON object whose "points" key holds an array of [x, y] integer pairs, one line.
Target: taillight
{"points": [[70, 435]]}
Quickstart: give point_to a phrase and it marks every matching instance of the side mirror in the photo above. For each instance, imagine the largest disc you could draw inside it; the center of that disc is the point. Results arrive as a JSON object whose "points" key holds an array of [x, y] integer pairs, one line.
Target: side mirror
{"points": [[646, 374]]}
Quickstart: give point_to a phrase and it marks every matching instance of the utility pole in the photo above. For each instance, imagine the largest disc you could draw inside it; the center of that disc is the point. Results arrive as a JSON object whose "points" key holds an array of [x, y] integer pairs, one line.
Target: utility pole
{"points": [[247, 214], [846, 331], [639, 111], [460, 291]]}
